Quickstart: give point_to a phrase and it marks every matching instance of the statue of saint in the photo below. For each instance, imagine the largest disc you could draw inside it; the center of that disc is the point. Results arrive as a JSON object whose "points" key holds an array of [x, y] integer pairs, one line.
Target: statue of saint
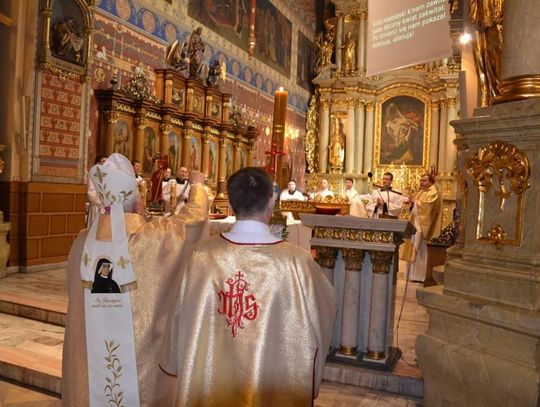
{"points": [[196, 49], [325, 45], [348, 58], [487, 17], [337, 146]]}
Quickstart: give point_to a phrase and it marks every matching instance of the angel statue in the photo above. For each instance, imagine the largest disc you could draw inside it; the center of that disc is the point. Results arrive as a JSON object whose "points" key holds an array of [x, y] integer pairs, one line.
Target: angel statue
{"points": [[177, 55], [216, 74]]}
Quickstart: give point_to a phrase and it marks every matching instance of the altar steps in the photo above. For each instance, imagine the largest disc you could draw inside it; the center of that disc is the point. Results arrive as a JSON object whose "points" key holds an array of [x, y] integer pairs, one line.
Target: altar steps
{"points": [[32, 314]]}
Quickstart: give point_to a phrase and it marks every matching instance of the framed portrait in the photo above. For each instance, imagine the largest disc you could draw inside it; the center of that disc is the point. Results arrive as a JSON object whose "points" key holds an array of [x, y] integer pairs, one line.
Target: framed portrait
{"points": [[194, 153], [174, 151], [403, 127], [150, 149], [122, 138], [212, 161]]}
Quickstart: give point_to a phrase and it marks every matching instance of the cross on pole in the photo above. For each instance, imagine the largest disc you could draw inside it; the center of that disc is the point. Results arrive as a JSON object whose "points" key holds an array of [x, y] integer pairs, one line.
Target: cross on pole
{"points": [[274, 154]]}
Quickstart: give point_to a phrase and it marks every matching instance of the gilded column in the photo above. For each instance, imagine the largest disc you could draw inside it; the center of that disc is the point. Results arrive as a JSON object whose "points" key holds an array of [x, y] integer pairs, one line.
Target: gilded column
{"points": [[451, 151], [520, 74], [369, 137], [141, 123], [434, 142], [236, 159], [443, 128], [360, 121], [381, 262], [326, 257], [350, 138], [164, 130], [353, 259], [185, 146], [222, 169], [324, 136], [339, 36], [206, 151]]}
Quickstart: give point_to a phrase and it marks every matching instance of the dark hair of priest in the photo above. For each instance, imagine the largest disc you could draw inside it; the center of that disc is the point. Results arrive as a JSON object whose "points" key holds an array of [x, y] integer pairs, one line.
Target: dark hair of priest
{"points": [[99, 157], [135, 162], [250, 189], [390, 175], [349, 179], [430, 177]]}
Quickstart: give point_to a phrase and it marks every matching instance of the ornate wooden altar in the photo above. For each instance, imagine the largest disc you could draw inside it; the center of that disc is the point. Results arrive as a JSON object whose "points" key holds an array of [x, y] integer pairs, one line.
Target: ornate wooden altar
{"points": [[184, 120]]}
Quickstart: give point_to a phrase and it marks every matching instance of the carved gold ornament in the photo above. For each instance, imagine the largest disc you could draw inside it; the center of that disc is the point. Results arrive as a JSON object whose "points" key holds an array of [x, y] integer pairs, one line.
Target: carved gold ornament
{"points": [[357, 235], [312, 135], [503, 161], [503, 164]]}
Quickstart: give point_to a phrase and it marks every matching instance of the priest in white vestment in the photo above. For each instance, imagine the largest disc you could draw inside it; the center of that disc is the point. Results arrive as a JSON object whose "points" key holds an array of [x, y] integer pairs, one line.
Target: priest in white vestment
{"points": [[156, 250], [291, 193], [324, 193], [350, 193], [384, 200], [254, 316]]}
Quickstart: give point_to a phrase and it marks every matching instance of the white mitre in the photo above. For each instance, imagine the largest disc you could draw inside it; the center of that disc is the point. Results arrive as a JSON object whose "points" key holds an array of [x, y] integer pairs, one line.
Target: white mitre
{"points": [[116, 187]]}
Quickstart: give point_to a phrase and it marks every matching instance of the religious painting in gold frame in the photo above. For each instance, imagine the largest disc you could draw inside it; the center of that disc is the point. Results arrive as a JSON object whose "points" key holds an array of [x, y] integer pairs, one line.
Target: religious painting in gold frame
{"points": [[213, 158], [66, 28], [194, 156], [403, 123], [150, 149], [121, 142]]}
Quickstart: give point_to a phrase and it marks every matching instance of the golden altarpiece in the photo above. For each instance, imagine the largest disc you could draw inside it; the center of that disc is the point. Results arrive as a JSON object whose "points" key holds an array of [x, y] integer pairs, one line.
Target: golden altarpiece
{"points": [[359, 126], [185, 120]]}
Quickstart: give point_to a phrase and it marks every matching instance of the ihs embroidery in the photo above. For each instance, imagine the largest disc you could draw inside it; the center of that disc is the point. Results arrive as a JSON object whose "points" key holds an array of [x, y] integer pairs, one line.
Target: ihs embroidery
{"points": [[236, 305]]}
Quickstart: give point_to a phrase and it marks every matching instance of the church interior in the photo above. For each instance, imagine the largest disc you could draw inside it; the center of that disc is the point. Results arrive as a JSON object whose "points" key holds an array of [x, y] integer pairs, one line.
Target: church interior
{"points": [[218, 85]]}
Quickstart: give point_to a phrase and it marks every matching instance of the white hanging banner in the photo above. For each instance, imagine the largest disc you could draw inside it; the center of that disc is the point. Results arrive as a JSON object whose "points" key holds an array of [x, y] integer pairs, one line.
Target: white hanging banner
{"points": [[406, 32]]}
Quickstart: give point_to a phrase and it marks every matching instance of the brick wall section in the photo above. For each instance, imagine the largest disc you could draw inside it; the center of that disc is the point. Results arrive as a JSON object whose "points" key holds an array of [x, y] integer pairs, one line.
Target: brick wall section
{"points": [[45, 219]]}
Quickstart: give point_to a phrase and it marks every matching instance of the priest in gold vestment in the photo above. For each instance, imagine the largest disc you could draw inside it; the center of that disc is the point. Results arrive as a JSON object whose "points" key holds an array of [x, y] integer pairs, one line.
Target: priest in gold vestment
{"points": [[156, 250], [254, 315], [425, 215]]}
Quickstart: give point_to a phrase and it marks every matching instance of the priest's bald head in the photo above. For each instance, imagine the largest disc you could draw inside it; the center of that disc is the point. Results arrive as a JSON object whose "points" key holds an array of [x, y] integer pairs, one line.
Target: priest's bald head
{"points": [[251, 194]]}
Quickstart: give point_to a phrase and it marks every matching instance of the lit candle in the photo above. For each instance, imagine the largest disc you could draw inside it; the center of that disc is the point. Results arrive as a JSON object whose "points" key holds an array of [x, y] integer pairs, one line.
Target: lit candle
{"points": [[280, 114]]}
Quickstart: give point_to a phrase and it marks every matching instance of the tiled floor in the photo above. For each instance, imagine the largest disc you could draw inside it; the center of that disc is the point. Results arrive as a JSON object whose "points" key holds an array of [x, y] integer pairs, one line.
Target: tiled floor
{"points": [[44, 343]]}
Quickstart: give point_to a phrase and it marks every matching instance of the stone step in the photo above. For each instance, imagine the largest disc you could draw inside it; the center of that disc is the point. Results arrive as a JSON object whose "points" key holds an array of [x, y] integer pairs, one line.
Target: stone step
{"points": [[29, 306], [31, 353], [407, 385]]}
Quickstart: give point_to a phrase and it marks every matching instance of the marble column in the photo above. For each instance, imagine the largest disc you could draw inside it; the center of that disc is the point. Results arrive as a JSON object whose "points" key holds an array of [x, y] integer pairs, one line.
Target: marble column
{"points": [[361, 49], [360, 119], [520, 78], [443, 128], [377, 345], [324, 136], [369, 137], [351, 300], [339, 39], [350, 138], [451, 152], [434, 145], [326, 258]]}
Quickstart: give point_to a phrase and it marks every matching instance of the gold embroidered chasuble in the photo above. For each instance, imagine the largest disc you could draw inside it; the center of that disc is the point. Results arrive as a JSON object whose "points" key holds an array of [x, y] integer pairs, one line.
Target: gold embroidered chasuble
{"points": [[156, 249], [252, 326], [424, 217]]}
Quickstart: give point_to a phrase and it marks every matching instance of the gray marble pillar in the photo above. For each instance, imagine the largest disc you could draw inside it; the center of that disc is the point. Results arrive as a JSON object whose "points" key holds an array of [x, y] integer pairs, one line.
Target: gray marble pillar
{"points": [[351, 300], [377, 348], [450, 148], [443, 128]]}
